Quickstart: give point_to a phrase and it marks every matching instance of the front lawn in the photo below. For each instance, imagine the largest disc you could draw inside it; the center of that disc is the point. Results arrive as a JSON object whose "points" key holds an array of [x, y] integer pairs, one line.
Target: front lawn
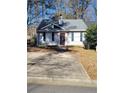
{"points": [[88, 59]]}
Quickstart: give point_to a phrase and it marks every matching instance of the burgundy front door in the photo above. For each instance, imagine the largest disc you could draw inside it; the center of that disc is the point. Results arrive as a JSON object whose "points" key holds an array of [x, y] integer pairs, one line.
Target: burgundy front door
{"points": [[62, 38]]}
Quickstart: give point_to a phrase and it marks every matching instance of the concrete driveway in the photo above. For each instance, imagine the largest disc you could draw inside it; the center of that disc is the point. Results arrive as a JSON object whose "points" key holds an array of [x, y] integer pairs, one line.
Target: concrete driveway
{"points": [[55, 67]]}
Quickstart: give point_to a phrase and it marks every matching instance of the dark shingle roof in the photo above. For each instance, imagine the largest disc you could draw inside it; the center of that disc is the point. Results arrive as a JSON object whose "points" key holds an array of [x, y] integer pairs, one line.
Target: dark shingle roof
{"points": [[68, 25]]}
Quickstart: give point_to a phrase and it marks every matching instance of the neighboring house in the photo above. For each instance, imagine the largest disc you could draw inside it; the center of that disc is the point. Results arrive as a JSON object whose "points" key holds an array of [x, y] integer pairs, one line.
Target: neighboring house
{"points": [[68, 32]]}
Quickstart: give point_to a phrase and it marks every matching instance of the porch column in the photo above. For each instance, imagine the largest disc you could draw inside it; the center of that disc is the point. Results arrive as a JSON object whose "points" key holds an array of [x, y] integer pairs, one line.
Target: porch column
{"points": [[58, 38], [66, 38]]}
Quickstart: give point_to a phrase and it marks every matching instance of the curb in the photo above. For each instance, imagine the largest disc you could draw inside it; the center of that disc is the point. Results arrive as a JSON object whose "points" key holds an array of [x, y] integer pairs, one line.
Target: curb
{"points": [[57, 81]]}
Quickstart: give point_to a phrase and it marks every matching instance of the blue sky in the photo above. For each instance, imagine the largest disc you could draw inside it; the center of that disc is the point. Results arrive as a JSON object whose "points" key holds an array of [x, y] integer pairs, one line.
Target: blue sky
{"points": [[90, 11]]}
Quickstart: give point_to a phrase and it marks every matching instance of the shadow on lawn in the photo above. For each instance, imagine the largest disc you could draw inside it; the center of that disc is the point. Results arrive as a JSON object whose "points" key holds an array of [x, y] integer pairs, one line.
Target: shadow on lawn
{"points": [[62, 49], [50, 48]]}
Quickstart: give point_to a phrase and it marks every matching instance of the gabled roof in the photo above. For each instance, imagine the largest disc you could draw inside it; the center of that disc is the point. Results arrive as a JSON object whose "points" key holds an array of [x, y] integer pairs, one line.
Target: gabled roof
{"points": [[44, 23], [68, 25], [89, 23]]}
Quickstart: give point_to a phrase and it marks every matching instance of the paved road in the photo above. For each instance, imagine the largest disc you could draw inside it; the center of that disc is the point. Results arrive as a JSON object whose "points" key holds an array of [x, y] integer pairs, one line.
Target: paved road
{"points": [[59, 89]]}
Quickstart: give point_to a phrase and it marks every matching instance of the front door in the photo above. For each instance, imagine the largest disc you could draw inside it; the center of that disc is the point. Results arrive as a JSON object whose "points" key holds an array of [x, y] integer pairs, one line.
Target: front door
{"points": [[62, 38]]}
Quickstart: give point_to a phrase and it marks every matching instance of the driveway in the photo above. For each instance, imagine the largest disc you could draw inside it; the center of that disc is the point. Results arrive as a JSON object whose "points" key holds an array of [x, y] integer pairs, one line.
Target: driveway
{"points": [[55, 66]]}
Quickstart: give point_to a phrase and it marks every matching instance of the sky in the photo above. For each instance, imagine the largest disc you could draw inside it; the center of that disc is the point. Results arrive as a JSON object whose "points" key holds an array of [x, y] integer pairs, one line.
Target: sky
{"points": [[90, 11]]}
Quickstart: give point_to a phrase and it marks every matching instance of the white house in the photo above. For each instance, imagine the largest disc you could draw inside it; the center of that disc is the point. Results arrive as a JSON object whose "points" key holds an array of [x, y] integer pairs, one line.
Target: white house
{"points": [[68, 32]]}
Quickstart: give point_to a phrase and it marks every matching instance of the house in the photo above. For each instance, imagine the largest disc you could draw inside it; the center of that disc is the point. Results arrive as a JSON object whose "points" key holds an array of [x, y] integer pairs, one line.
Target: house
{"points": [[68, 32]]}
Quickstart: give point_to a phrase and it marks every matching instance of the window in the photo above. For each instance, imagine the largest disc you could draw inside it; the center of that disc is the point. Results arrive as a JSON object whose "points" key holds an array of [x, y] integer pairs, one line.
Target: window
{"points": [[52, 36], [81, 36], [72, 36], [44, 36]]}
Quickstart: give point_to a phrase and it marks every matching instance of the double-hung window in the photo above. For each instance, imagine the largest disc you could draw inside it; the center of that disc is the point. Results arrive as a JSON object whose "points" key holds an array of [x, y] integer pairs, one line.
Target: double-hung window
{"points": [[52, 36], [72, 36], [44, 36], [81, 36]]}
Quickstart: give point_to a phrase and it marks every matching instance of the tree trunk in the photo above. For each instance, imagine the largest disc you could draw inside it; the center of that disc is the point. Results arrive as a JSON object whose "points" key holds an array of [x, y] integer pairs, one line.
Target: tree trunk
{"points": [[88, 46]]}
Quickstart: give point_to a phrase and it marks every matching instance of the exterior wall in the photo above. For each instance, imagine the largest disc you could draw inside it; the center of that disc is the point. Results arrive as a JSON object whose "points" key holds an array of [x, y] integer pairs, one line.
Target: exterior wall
{"points": [[76, 39], [48, 39], [68, 39]]}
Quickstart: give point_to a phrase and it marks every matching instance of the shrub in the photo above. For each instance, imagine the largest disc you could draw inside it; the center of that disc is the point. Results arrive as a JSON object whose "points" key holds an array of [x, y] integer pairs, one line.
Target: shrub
{"points": [[33, 41], [91, 37]]}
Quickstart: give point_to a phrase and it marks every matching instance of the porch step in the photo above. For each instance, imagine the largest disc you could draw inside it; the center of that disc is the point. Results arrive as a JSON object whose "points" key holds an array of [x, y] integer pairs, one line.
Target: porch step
{"points": [[63, 47]]}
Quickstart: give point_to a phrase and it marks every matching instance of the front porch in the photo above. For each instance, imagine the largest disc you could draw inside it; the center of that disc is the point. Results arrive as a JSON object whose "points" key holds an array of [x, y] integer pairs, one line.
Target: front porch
{"points": [[61, 38], [51, 38]]}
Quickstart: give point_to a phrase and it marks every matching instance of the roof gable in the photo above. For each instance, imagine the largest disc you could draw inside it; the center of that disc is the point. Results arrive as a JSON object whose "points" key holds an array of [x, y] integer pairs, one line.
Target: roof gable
{"points": [[68, 25]]}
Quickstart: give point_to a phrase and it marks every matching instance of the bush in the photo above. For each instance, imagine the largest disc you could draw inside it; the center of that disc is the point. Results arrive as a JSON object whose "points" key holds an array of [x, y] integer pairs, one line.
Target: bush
{"points": [[33, 41], [91, 37]]}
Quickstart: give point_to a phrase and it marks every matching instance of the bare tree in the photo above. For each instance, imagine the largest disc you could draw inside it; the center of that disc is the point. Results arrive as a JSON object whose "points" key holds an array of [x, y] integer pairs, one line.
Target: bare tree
{"points": [[69, 9]]}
